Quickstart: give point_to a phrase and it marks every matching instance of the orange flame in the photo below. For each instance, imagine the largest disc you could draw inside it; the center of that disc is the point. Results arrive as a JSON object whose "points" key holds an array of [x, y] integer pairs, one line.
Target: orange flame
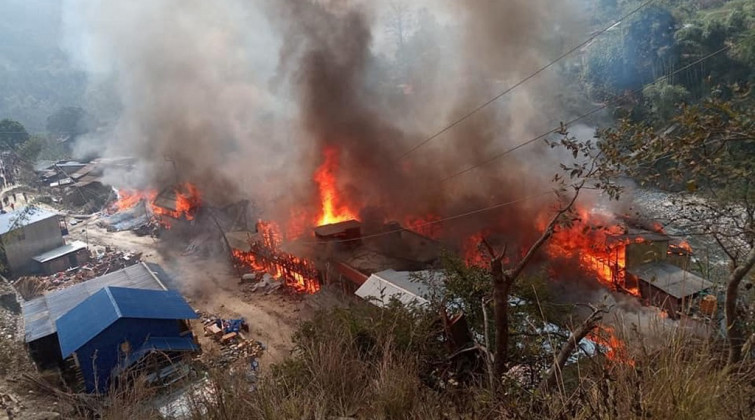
{"points": [[598, 246], [187, 202], [471, 252], [616, 350], [333, 210], [297, 273], [130, 198], [428, 225]]}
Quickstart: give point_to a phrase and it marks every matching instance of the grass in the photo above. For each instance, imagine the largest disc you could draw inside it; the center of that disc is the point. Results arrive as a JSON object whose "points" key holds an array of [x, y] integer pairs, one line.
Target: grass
{"points": [[367, 363]]}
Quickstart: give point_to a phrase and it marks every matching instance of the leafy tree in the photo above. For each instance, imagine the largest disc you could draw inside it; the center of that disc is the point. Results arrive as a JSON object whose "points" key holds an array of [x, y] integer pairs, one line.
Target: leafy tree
{"points": [[68, 121], [664, 98], [12, 134], [711, 154], [632, 54]]}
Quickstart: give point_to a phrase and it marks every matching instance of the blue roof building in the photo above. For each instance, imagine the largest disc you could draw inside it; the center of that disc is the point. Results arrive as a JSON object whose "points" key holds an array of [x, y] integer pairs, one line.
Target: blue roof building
{"points": [[97, 329], [115, 327]]}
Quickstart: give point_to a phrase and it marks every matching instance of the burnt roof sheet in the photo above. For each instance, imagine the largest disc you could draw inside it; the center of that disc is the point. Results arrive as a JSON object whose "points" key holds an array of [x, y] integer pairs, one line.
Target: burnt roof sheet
{"points": [[671, 279], [41, 313]]}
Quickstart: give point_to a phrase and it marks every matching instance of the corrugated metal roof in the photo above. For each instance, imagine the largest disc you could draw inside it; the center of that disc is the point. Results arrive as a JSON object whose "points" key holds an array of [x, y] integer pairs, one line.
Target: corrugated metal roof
{"points": [[383, 286], [22, 217], [41, 313], [78, 326], [671, 279], [60, 251]]}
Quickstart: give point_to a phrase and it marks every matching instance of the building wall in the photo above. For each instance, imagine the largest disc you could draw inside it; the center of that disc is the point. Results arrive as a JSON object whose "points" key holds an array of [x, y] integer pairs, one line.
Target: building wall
{"points": [[22, 244], [639, 253], [64, 262], [659, 298], [100, 355]]}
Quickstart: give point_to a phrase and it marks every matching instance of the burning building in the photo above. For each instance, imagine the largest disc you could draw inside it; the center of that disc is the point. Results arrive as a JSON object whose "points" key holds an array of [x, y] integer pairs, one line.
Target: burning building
{"points": [[632, 259]]}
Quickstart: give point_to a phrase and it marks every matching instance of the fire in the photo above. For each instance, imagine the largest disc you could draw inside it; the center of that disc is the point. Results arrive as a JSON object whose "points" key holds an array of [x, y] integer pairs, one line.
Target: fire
{"points": [[472, 252], [333, 210], [130, 198], [297, 273], [187, 202], [428, 225], [616, 350], [598, 246]]}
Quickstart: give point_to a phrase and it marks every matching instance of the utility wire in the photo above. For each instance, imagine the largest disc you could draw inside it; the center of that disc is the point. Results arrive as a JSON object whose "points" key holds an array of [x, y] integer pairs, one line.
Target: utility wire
{"points": [[496, 206], [581, 117], [521, 82]]}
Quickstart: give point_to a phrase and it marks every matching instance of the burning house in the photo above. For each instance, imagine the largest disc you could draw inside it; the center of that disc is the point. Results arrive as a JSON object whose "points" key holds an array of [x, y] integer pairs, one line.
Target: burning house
{"points": [[634, 260]]}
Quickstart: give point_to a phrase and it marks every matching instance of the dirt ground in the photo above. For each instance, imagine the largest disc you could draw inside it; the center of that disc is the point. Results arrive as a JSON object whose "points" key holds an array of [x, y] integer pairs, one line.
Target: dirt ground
{"points": [[211, 285]]}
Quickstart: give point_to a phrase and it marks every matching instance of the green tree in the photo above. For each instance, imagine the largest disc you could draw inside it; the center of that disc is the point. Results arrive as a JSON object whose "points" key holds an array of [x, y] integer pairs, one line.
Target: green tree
{"points": [[664, 98], [12, 134]]}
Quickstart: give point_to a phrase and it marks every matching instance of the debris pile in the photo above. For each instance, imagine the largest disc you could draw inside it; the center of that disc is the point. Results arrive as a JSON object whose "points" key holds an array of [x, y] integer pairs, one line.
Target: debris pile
{"points": [[234, 345], [259, 283], [111, 260]]}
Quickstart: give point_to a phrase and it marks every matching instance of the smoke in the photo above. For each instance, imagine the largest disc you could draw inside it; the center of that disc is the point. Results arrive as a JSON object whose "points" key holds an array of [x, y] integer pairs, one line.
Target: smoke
{"points": [[242, 98]]}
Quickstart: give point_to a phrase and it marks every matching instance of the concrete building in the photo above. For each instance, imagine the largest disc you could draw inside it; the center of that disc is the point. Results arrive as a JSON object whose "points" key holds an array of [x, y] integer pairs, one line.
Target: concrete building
{"points": [[26, 233], [73, 254]]}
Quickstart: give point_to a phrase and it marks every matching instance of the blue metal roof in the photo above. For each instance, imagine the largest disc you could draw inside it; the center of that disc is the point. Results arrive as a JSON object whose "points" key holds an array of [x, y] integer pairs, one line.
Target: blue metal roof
{"points": [[92, 316], [11, 220]]}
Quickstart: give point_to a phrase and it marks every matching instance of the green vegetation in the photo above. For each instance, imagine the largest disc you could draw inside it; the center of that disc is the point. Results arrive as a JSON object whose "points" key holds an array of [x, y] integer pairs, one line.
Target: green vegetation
{"points": [[369, 363], [668, 38]]}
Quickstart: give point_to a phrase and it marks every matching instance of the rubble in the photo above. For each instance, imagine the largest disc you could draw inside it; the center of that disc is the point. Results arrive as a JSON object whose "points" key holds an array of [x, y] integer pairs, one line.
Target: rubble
{"points": [[111, 260], [234, 345]]}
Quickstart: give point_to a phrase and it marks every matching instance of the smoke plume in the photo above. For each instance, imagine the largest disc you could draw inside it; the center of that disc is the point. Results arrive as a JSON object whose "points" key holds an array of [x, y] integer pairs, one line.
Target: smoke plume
{"points": [[244, 98]]}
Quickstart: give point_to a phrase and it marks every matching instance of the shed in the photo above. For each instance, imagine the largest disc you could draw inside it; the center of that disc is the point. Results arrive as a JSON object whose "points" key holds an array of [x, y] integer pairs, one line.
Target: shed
{"points": [[130, 324], [26, 233], [380, 288], [62, 258], [668, 286], [40, 314]]}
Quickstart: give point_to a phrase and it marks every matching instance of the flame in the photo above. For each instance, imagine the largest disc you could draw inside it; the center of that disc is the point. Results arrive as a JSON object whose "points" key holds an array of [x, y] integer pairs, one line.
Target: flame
{"points": [[427, 225], [333, 210], [598, 246], [130, 198], [473, 255], [616, 350], [297, 273], [187, 202]]}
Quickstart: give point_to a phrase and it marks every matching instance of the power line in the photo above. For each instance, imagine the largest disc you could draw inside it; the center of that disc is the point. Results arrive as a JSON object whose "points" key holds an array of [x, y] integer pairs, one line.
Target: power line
{"points": [[495, 206], [521, 82], [581, 117]]}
